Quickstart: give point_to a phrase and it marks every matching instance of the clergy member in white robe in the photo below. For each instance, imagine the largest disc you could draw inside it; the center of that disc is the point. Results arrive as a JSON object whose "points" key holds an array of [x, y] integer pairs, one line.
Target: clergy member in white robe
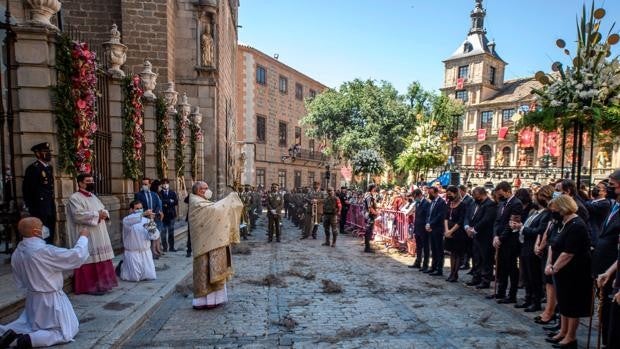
{"points": [[48, 317], [137, 261], [86, 211], [215, 226]]}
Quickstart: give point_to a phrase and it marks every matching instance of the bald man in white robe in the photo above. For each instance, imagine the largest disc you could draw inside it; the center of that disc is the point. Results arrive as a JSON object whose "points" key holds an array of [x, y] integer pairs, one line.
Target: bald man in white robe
{"points": [[48, 317]]}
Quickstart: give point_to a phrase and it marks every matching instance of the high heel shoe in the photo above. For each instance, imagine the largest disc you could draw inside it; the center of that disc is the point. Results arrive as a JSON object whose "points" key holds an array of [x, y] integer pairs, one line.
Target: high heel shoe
{"points": [[540, 321], [569, 345], [554, 340]]}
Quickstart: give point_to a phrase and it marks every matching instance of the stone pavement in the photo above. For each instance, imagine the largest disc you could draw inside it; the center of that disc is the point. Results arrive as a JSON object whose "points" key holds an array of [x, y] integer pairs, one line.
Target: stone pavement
{"points": [[277, 299]]}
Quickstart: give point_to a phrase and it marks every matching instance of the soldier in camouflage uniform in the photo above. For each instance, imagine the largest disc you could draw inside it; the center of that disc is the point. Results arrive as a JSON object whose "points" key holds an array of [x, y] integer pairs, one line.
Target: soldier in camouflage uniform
{"points": [[275, 204], [331, 212]]}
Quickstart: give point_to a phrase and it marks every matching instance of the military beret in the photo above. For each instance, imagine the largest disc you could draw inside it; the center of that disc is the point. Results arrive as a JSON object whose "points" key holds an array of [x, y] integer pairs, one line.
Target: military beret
{"points": [[40, 147]]}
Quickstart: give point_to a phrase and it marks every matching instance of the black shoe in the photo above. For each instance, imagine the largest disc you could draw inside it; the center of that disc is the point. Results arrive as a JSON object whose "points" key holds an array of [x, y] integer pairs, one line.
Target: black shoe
{"points": [[523, 305], [436, 273], [507, 300], [571, 345], [277, 240], [553, 340], [552, 334], [424, 270], [541, 322], [314, 237], [495, 296], [428, 271], [117, 270], [188, 254], [413, 266], [24, 342], [173, 250], [7, 338], [325, 244], [473, 282], [452, 279], [303, 238], [368, 250], [532, 308], [483, 286], [464, 267]]}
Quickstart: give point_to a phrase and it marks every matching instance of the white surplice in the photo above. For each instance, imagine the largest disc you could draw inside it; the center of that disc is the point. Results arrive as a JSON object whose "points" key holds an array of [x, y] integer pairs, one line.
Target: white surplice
{"points": [[137, 259], [37, 268]]}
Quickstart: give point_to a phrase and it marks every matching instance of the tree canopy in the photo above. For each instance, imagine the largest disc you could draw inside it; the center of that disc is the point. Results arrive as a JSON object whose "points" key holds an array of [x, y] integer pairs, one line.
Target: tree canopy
{"points": [[370, 115]]}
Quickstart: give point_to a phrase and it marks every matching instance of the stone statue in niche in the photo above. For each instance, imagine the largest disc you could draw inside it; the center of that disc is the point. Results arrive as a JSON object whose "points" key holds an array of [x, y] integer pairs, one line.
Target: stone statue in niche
{"points": [[207, 47]]}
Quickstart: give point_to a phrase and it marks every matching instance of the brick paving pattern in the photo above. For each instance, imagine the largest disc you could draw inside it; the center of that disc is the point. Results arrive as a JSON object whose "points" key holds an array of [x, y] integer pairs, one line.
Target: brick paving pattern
{"points": [[277, 299]]}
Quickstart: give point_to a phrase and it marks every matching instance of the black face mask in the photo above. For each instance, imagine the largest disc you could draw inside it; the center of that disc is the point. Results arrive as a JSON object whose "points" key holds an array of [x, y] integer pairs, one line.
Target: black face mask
{"points": [[47, 157], [90, 187], [556, 216], [595, 192]]}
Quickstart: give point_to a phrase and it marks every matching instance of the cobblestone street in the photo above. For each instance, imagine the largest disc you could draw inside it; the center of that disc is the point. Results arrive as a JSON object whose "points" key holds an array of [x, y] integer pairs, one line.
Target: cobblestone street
{"points": [[277, 298]]}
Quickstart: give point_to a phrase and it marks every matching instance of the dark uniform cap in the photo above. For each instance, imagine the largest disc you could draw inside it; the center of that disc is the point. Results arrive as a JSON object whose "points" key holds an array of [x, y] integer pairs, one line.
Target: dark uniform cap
{"points": [[40, 147]]}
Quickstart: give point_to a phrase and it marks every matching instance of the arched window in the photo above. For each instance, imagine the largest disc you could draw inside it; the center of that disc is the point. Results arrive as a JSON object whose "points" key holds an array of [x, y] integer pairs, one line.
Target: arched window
{"points": [[457, 154], [486, 152], [506, 154]]}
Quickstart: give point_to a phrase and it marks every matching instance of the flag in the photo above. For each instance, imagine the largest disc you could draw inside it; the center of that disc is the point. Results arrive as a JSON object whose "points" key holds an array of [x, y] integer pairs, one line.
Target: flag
{"points": [[526, 138], [503, 131], [460, 82], [482, 134]]}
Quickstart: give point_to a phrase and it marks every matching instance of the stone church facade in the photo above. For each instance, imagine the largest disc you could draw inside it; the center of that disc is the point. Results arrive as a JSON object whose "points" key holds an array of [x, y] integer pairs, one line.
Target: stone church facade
{"points": [[192, 67]]}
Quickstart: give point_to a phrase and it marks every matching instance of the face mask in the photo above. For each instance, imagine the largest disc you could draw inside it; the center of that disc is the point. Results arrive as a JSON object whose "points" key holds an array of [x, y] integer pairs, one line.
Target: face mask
{"points": [[47, 157], [90, 187], [557, 216], [557, 194], [208, 194], [45, 232], [140, 211], [145, 187], [166, 186], [596, 191]]}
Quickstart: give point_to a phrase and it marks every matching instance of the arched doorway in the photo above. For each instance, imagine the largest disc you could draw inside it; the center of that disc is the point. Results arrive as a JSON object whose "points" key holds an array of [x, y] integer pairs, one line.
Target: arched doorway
{"points": [[506, 153], [457, 154], [486, 153]]}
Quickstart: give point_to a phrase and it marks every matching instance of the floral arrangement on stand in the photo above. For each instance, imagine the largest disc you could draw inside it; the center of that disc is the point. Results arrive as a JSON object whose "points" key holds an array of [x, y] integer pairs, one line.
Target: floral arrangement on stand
{"points": [[133, 132], [195, 137], [74, 104], [586, 93], [163, 137], [181, 140], [368, 161]]}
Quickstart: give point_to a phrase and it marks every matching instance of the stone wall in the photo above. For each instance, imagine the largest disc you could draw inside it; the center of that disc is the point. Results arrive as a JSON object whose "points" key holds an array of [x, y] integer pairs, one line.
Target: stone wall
{"points": [[92, 18]]}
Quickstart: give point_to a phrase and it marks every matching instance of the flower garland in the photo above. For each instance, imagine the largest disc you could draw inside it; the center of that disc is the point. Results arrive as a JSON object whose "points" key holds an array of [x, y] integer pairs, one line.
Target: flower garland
{"points": [[133, 133], [181, 140], [163, 137], [195, 137], [74, 104]]}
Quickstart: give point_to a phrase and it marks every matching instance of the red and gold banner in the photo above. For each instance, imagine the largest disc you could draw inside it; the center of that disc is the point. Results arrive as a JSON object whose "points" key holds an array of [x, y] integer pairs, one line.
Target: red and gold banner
{"points": [[503, 131], [526, 138], [482, 134], [460, 82]]}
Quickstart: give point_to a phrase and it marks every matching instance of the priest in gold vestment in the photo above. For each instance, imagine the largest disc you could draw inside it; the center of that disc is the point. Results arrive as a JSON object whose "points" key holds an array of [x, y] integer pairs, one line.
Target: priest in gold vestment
{"points": [[215, 226]]}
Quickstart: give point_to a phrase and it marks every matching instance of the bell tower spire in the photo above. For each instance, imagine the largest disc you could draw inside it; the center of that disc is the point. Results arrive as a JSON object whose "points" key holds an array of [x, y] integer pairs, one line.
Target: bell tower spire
{"points": [[477, 19]]}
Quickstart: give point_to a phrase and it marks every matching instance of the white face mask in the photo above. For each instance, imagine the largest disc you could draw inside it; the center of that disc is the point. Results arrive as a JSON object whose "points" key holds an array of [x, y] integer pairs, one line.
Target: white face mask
{"points": [[165, 186], [557, 194], [145, 187], [208, 194], [45, 232]]}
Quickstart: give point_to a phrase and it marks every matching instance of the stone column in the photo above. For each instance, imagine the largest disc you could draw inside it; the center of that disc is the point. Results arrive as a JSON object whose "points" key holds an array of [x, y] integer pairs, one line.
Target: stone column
{"points": [[149, 139]]}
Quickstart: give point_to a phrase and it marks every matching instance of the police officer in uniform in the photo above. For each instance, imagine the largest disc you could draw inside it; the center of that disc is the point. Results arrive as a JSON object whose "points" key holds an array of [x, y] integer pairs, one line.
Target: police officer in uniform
{"points": [[331, 212], [38, 189], [275, 204]]}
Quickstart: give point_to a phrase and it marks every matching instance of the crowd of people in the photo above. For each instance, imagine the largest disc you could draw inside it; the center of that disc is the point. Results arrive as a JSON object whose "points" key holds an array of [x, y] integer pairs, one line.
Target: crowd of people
{"points": [[556, 242]]}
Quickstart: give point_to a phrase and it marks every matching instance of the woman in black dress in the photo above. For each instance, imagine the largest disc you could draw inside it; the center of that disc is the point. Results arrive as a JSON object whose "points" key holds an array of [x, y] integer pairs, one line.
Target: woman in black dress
{"points": [[455, 236], [569, 265]]}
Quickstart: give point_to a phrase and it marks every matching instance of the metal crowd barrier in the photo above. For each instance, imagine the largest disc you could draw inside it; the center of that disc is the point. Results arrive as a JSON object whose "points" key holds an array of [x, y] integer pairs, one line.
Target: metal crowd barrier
{"points": [[391, 227]]}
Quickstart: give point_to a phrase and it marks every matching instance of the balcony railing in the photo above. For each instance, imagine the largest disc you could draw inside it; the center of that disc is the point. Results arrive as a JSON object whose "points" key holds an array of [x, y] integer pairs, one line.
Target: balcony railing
{"points": [[306, 154]]}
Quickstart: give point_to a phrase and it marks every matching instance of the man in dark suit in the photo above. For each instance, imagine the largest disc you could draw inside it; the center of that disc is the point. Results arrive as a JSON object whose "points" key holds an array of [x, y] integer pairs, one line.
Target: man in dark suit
{"points": [[150, 201], [422, 241], [169, 203], [344, 198], [38, 189], [598, 208], [468, 201], [506, 241], [605, 251], [480, 228], [435, 226]]}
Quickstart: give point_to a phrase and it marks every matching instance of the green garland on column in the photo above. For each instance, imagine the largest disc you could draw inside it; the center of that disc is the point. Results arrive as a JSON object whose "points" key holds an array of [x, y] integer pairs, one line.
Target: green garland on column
{"points": [[181, 141], [163, 137], [195, 137], [133, 133]]}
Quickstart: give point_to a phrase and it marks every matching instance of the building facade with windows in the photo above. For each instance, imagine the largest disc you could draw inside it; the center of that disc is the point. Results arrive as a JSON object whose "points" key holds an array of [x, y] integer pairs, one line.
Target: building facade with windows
{"points": [[487, 146], [270, 105]]}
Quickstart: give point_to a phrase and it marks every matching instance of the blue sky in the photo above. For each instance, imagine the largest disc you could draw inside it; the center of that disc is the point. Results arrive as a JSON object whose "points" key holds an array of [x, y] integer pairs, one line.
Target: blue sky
{"points": [[402, 41]]}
